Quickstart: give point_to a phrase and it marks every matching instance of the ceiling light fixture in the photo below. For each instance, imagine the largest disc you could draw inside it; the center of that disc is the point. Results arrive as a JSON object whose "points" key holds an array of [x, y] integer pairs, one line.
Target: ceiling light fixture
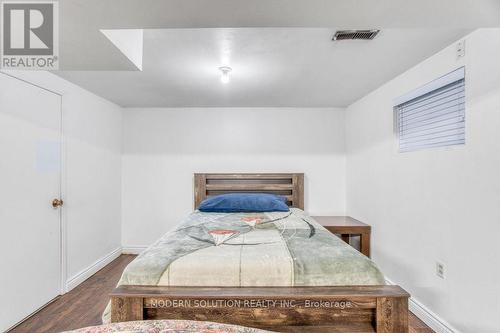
{"points": [[225, 70]]}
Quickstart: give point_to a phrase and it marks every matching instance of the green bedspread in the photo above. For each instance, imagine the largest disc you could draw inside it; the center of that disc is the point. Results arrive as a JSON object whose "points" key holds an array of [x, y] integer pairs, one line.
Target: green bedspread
{"points": [[250, 249]]}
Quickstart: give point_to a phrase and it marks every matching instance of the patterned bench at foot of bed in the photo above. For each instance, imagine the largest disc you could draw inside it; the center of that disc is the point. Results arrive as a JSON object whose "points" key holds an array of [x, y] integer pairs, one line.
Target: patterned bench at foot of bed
{"points": [[164, 326]]}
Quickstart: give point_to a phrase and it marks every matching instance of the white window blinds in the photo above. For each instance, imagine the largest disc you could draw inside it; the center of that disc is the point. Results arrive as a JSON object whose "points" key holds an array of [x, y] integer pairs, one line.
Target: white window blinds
{"points": [[433, 115]]}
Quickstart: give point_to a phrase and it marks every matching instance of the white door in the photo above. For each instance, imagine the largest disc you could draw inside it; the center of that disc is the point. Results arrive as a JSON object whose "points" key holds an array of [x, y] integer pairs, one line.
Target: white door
{"points": [[30, 178]]}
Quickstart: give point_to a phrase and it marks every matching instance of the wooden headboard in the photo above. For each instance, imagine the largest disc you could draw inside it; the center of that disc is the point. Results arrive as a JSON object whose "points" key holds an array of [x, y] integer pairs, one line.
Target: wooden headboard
{"points": [[290, 185]]}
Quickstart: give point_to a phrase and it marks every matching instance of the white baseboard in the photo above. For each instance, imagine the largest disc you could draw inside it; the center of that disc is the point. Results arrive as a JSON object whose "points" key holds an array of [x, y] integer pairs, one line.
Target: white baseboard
{"points": [[84, 274], [427, 316], [133, 249]]}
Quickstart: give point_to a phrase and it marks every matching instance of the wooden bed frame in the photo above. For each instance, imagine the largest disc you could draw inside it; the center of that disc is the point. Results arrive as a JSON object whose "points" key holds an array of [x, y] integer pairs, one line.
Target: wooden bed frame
{"points": [[380, 309]]}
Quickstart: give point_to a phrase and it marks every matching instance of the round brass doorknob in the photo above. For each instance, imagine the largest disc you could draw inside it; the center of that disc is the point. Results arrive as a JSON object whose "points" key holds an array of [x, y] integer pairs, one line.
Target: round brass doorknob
{"points": [[56, 203]]}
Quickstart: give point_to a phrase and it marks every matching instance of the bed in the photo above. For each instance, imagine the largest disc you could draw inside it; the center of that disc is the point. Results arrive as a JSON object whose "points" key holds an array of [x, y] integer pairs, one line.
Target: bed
{"points": [[277, 270]]}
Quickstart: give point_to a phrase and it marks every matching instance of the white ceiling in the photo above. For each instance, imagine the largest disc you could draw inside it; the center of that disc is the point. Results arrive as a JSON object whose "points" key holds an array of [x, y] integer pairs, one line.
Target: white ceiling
{"points": [[280, 50], [83, 47], [299, 67]]}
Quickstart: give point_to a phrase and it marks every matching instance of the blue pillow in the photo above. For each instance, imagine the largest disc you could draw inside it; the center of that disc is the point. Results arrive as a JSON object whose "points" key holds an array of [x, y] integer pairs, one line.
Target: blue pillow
{"points": [[244, 202]]}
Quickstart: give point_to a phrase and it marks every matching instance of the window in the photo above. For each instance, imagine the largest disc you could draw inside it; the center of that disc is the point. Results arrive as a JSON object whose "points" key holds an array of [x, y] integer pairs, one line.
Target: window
{"points": [[433, 115]]}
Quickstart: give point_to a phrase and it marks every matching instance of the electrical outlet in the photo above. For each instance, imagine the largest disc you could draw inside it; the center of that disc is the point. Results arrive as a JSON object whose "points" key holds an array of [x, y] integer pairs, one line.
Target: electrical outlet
{"points": [[440, 269], [460, 49]]}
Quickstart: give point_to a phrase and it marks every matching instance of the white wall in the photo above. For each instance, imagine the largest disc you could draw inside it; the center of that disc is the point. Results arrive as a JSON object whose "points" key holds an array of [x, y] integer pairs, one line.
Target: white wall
{"points": [[162, 148], [435, 205], [92, 171]]}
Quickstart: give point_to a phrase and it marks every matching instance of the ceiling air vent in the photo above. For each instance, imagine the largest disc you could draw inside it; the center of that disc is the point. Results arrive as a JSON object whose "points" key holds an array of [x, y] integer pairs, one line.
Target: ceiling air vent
{"points": [[355, 34]]}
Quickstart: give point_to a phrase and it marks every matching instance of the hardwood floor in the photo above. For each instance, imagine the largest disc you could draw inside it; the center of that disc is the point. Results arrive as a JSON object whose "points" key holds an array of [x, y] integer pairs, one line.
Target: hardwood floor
{"points": [[84, 305], [80, 307]]}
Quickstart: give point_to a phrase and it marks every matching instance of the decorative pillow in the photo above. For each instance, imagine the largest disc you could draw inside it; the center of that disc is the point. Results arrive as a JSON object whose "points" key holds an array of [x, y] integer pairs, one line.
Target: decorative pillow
{"points": [[244, 202]]}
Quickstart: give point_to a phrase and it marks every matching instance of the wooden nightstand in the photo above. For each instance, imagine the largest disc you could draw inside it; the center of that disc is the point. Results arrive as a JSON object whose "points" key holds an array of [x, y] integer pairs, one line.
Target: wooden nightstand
{"points": [[346, 226]]}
